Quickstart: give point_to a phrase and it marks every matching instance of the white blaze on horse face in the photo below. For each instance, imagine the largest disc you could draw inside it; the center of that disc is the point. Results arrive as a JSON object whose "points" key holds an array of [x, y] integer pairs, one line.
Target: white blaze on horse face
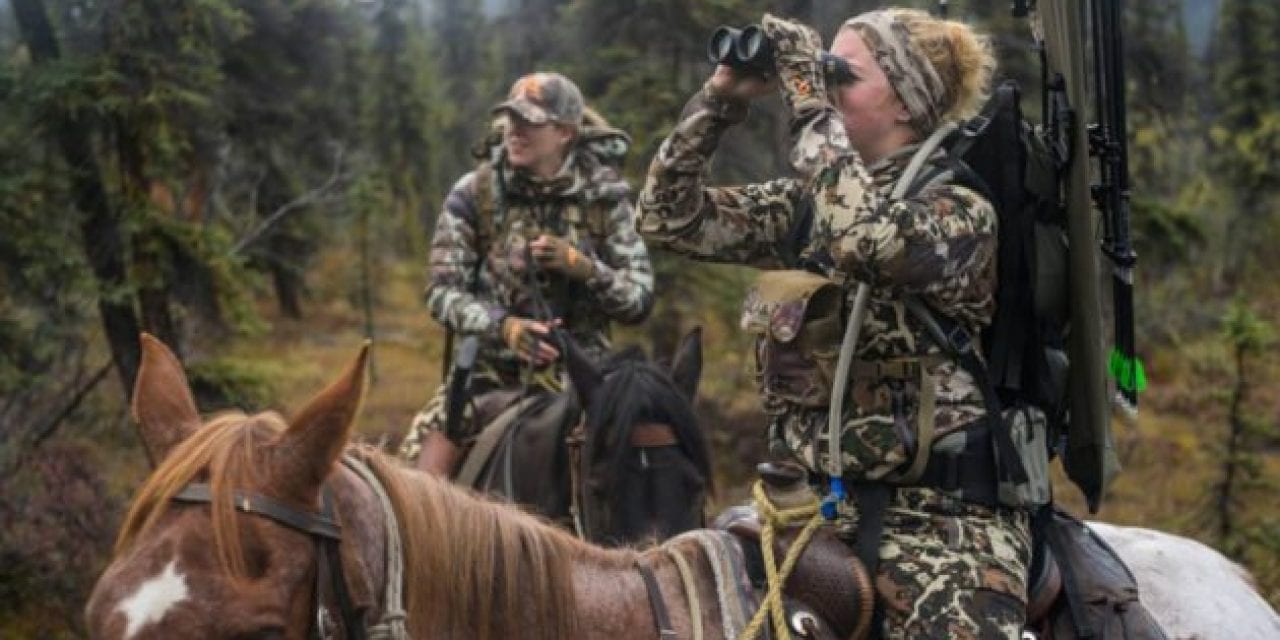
{"points": [[154, 597]]}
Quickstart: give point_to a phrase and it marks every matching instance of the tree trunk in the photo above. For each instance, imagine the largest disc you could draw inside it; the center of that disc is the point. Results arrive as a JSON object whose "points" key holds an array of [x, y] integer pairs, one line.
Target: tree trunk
{"points": [[149, 246], [286, 286], [1231, 462], [102, 237]]}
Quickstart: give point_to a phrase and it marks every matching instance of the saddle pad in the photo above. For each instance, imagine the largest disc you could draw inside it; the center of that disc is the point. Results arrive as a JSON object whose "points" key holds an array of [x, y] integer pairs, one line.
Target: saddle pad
{"points": [[734, 595]]}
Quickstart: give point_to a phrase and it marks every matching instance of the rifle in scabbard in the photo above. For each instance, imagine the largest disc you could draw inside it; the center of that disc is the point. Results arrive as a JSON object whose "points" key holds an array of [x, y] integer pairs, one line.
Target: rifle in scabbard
{"points": [[459, 391]]}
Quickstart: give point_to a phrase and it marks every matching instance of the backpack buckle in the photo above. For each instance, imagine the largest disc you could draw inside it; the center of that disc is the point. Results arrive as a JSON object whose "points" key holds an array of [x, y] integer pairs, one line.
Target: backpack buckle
{"points": [[973, 127], [959, 339]]}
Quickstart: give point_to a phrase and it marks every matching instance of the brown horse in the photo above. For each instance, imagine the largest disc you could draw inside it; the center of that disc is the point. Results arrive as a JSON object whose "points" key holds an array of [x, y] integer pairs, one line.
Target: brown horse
{"points": [[252, 527]]}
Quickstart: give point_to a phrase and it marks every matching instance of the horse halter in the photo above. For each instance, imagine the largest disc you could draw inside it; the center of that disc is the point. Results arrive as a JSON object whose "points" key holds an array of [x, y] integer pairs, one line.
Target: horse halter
{"points": [[323, 528]]}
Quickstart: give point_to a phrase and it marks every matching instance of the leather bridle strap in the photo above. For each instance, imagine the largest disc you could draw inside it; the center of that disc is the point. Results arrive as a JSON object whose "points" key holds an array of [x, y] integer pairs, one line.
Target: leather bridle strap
{"points": [[322, 526], [328, 553], [649, 435], [574, 441], [316, 524], [659, 606]]}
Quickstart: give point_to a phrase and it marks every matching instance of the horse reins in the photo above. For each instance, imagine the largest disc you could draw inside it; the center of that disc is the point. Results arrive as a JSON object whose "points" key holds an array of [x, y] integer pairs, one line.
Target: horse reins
{"points": [[659, 606], [322, 527]]}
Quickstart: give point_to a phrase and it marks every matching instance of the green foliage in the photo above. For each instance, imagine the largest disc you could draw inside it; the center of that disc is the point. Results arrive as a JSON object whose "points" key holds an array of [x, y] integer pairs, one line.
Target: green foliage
{"points": [[44, 315], [1251, 156], [159, 78], [404, 124], [1244, 89], [1246, 332], [224, 382], [1165, 233], [1244, 481]]}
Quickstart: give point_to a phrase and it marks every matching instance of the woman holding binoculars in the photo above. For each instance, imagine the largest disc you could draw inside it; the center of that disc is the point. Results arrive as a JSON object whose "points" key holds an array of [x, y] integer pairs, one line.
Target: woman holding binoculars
{"points": [[949, 559]]}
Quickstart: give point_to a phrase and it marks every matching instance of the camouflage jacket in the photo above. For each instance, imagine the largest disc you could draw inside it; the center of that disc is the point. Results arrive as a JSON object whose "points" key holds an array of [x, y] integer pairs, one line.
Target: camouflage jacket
{"points": [[588, 203], [939, 244]]}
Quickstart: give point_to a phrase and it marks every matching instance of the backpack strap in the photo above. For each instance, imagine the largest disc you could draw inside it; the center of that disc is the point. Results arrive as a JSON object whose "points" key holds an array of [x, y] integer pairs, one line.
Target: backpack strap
{"points": [[487, 203], [906, 185], [955, 341], [596, 215], [857, 314], [482, 180], [953, 167]]}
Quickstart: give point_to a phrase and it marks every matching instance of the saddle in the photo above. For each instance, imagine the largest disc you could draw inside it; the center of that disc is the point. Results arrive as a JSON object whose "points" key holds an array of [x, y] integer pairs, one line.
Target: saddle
{"points": [[1078, 587], [829, 593], [499, 411]]}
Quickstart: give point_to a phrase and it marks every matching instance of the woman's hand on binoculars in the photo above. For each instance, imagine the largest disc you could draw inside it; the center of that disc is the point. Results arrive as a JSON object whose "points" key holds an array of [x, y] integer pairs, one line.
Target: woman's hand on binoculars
{"points": [[728, 83]]}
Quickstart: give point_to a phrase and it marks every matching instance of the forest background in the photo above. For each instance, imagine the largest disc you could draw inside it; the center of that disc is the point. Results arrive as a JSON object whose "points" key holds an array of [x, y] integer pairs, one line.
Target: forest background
{"points": [[255, 182]]}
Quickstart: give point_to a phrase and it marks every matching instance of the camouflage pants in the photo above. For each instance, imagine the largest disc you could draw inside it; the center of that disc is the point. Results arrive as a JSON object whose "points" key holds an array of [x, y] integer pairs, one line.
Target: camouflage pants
{"points": [[432, 418], [950, 569]]}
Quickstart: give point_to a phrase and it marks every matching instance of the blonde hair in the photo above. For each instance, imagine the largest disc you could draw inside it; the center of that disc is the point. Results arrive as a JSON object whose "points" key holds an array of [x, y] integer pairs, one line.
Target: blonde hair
{"points": [[962, 57]]}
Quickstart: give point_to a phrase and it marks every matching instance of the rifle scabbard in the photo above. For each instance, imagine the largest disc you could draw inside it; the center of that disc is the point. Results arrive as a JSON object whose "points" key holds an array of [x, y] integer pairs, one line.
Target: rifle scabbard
{"points": [[460, 386]]}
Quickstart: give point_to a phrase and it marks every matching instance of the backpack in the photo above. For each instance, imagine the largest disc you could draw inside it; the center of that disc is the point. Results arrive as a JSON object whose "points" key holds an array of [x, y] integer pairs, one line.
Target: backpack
{"points": [[1000, 155], [1022, 171]]}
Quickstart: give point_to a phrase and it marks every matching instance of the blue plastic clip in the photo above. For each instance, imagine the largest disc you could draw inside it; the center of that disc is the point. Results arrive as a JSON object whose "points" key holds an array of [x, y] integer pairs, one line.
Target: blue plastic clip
{"points": [[834, 497]]}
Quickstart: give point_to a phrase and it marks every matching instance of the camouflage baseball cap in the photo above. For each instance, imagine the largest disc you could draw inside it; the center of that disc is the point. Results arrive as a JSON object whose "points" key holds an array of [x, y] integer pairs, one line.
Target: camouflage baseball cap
{"points": [[544, 97]]}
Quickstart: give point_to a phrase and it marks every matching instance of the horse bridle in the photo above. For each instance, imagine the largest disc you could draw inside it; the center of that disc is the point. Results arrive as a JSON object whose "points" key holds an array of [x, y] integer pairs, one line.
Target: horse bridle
{"points": [[646, 435], [321, 526], [327, 532]]}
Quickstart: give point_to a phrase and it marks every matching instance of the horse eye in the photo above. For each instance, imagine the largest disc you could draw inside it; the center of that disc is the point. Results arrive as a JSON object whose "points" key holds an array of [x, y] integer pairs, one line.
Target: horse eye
{"points": [[257, 560]]}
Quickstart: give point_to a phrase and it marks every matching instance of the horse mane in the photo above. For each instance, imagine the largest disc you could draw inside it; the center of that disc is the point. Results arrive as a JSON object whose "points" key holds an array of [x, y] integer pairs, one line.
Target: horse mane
{"points": [[222, 453], [635, 390], [473, 568]]}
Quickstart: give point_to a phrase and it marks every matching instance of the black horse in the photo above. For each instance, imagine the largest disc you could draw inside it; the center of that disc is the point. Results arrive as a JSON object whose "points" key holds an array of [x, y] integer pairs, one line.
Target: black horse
{"points": [[634, 466]]}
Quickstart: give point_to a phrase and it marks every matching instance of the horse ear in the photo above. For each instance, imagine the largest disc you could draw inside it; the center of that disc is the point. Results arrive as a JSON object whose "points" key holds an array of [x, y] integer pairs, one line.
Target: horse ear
{"points": [[582, 372], [686, 367], [319, 433], [162, 402]]}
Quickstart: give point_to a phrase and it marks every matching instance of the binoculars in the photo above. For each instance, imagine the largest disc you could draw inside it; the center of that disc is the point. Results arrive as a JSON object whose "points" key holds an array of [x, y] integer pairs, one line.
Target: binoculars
{"points": [[750, 51], [746, 49]]}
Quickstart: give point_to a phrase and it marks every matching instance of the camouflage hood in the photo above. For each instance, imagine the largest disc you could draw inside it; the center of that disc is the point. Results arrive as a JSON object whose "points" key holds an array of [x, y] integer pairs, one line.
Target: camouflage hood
{"points": [[601, 140]]}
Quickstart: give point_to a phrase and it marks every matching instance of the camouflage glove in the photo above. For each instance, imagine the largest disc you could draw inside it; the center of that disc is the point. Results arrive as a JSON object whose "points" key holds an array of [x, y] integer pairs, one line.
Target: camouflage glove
{"points": [[530, 339], [797, 49], [557, 254]]}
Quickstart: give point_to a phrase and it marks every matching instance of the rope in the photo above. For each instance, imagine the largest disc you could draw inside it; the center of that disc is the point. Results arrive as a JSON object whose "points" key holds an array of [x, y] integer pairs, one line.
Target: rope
{"points": [[774, 518], [690, 591], [392, 624]]}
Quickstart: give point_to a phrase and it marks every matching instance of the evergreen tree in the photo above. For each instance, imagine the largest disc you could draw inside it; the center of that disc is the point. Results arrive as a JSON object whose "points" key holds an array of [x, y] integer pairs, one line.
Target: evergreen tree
{"points": [[1246, 131], [466, 47], [66, 127], [404, 122]]}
